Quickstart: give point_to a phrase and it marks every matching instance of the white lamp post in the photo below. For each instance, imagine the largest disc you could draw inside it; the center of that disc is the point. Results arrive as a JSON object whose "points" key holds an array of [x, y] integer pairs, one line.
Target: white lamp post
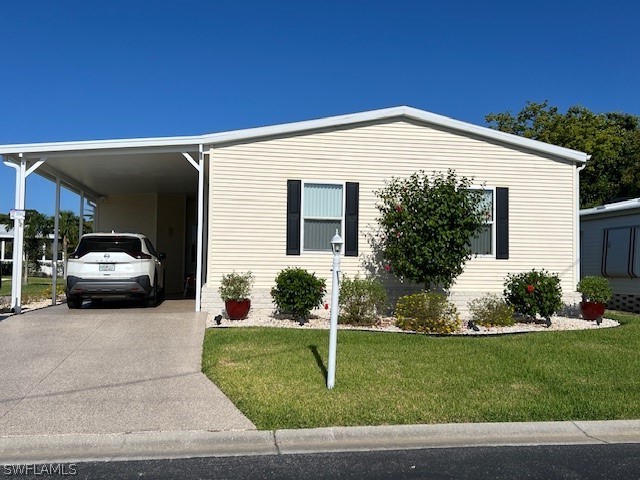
{"points": [[336, 245]]}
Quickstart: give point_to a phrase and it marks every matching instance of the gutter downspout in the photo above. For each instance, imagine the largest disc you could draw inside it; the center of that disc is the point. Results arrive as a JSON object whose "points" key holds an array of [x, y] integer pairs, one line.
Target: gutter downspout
{"points": [[576, 235]]}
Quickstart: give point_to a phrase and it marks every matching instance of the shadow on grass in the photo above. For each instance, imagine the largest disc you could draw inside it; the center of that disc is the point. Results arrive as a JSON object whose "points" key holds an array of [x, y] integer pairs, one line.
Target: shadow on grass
{"points": [[319, 361]]}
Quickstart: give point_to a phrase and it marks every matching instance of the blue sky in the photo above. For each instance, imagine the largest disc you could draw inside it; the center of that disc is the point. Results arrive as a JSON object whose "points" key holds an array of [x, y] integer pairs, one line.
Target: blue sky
{"points": [[81, 70]]}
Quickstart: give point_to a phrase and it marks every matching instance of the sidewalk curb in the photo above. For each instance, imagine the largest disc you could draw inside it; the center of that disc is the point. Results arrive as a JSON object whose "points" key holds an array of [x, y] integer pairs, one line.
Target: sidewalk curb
{"points": [[171, 445]]}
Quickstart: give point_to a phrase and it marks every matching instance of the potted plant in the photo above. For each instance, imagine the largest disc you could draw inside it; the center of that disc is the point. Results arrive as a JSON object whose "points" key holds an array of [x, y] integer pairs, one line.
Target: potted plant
{"points": [[596, 292], [235, 290]]}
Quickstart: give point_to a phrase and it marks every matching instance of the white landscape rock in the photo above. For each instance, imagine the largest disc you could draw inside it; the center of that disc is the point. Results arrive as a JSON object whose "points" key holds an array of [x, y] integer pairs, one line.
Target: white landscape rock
{"points": [[387, 325]]}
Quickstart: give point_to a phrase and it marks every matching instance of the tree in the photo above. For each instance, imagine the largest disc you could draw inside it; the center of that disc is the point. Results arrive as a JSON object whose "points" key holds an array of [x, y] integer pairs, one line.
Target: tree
{"points": [[38, 227], [68, 225], [612, 140], [426, 226]]}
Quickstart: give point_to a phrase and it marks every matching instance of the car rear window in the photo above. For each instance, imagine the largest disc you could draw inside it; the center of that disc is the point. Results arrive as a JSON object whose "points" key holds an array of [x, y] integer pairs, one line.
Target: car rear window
{"points": [[129, 245]]}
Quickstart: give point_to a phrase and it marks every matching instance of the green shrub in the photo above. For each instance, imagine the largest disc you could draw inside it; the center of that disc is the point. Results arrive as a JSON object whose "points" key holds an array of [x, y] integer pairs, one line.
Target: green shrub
{"points": [[427, 312], [361, 300], [491, 310], [236, 286], [534, 293], [595, 289], [297, 292]]}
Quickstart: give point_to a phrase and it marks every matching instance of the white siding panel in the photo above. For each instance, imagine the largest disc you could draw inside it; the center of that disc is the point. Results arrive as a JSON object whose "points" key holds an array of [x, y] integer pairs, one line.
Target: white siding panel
{"points": [[248, 195], [128, 213]]}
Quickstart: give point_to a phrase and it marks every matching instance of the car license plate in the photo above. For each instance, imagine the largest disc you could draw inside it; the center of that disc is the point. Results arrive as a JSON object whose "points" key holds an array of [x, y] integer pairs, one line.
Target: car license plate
{"points": [[107, 267]]}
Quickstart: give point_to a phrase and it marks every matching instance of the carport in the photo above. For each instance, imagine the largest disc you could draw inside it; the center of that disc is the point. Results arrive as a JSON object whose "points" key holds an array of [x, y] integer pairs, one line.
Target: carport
{"points": [[134, 184]]}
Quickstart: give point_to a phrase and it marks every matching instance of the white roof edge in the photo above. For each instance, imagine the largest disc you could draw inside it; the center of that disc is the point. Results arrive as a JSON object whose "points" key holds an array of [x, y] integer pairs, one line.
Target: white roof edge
{"points": [[294, 127], [402, 111], [100, 144], [631, 204]]}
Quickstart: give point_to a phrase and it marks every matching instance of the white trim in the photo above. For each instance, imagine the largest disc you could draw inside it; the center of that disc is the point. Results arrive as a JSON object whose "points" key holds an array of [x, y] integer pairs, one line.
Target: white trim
{"points": [[634, 203], [200, 240], [302, 217], [35, 166], [191, 160], [251, 134], [493, 221], [577, 254], [56, 248]]}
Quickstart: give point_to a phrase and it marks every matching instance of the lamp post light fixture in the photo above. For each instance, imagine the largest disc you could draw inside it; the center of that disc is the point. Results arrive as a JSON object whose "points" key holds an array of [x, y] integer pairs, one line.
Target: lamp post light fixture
{"points": [[336, 246]]}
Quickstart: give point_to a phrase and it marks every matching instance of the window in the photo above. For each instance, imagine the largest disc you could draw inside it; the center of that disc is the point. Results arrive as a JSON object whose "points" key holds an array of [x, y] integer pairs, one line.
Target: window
{"points": [[315, 210], [322, 214], [483, 243], [620, 247]]}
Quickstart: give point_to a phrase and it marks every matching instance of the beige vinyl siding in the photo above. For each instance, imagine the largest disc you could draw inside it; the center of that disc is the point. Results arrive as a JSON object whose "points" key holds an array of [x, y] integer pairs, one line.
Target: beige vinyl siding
{"points": [[248, 197], [592, 227], [128, 214]]}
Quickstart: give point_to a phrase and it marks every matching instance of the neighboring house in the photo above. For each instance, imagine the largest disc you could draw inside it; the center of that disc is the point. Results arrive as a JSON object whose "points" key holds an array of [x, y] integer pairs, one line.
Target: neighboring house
{"points": [[6, 257], [267, 198], [610, 247], [6, 239]]}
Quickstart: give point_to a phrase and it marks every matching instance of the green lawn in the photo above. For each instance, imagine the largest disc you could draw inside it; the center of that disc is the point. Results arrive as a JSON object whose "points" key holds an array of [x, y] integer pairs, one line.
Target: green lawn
{"points": [[34, 286], [276, 377]]}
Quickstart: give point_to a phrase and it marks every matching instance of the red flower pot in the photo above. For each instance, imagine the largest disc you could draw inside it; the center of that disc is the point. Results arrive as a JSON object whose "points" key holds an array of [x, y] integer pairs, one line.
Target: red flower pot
{"points": [[237, 309], [591, 310]]}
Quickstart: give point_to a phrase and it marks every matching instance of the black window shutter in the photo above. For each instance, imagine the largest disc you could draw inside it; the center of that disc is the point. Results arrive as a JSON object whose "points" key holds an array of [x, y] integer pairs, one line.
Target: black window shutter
{"points": [[351, 220], [294, 192], [502, 223]]}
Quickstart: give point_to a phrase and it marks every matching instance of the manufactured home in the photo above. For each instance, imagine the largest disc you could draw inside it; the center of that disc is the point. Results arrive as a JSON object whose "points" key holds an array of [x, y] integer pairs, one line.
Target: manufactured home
{"points": [[263, 199], [610, 247]]}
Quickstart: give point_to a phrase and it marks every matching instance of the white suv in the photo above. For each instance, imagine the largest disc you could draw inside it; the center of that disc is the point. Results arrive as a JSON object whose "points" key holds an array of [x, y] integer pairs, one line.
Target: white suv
{"points": [[114, 265]]}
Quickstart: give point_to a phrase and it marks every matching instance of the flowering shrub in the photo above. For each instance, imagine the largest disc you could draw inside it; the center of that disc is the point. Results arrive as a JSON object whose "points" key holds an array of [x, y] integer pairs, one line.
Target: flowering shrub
{"points": [[427, 312], [298, 292], [426, 227], [534, 293], [361, 300], [491, 310]]}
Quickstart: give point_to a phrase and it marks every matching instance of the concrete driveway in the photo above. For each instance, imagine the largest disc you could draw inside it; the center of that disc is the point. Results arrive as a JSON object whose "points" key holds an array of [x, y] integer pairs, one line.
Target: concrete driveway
{"points": [[108, 368]]}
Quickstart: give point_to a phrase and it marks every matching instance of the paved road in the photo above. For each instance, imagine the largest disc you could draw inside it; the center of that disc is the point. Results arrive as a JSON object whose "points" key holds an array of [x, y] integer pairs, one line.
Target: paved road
{"points": [[110, 368], [621, 461]]}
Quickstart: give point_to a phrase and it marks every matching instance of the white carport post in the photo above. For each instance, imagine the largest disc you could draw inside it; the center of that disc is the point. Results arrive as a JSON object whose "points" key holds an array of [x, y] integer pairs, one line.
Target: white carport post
{"points": [[22, 172], [199, 166], [81, 219], [54, 260]]}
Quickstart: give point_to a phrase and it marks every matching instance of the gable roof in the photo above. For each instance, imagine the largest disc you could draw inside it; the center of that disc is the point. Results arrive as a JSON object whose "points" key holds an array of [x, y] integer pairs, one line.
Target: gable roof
{"points": [[254, 134]]}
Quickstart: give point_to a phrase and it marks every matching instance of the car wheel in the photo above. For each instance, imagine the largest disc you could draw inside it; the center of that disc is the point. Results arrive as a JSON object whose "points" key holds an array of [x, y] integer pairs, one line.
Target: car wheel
{"points": [[74, 302], [152, 299]]}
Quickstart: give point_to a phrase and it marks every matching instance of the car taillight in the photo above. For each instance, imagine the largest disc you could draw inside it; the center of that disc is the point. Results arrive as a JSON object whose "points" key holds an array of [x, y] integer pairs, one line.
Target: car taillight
{"points": [[75, 255], [141, 256]]}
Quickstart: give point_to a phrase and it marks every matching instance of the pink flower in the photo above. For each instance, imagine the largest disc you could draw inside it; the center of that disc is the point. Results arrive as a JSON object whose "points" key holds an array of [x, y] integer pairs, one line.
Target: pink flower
{"points": [[398, 234], [326, 306], [398, 208], [530, 288], [387, 267]]}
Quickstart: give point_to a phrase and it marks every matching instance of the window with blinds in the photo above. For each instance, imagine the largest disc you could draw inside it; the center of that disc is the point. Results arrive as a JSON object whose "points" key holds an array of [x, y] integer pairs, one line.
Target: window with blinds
{"points": [[322, 214], [482, 244]]}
